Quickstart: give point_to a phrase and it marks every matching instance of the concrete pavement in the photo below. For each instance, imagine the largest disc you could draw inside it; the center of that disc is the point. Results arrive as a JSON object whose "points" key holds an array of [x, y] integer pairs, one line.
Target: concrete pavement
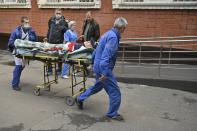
{"points": [[145, 108]]}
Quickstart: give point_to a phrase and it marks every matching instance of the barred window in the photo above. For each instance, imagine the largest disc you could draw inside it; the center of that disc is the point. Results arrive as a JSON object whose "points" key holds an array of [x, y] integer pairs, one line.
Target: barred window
{"points": [[74, 4], [64, 1], [184, 0], [15, 3], [133, 0], [154, 4]]}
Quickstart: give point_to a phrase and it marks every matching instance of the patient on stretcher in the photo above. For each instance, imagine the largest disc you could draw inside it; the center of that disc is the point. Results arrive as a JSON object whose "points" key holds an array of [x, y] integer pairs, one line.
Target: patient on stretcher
{"points": [[43, 48]]}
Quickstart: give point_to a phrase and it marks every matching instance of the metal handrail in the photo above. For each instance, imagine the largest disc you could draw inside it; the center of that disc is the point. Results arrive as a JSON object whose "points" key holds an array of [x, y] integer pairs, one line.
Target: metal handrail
{"points": [[158, 41], [146, 59], [159, 51], [168, 43], [148, 44], [149, 38]]}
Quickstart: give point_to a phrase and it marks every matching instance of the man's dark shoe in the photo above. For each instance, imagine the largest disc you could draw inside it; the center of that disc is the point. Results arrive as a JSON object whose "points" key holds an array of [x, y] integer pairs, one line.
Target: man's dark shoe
{"points": [[117, 117], [105, 118], [17, 88], [79, 104]]}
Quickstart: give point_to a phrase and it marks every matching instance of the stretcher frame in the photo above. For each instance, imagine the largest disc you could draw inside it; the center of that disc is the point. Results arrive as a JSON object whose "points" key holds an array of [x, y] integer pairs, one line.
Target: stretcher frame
{"points": [[77, 65]]}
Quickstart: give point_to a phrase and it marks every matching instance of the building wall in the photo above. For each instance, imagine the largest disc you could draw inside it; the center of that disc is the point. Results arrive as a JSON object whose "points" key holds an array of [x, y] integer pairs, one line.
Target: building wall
{"points": [[141, 22]]}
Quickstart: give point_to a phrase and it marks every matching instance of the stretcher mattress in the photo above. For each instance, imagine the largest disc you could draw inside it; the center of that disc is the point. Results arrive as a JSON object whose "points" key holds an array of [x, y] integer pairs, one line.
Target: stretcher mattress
{"points": [[39, 49]]}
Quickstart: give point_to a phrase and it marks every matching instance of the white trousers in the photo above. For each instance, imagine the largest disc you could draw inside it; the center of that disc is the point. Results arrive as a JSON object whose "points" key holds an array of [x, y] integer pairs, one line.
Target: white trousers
{"points": [[19, 61]]}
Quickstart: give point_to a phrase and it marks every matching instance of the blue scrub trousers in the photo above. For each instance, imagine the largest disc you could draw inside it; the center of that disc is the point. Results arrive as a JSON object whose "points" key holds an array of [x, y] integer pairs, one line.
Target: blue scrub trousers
{"points": [[111, 87], [19, 65], [65, 70]]}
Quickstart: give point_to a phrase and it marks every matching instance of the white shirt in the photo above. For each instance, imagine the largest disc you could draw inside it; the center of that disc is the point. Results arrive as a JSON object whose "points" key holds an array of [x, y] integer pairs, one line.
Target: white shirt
{"points": [[25, 36]]}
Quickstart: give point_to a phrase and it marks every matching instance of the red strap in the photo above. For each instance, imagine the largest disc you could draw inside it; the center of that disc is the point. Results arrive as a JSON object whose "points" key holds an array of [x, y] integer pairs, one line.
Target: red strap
{"points": [[71, 46]]}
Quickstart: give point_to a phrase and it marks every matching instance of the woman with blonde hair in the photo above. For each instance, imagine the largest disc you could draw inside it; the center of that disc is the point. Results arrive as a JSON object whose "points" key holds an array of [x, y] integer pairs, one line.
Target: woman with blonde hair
{"points": [[69, 36]]}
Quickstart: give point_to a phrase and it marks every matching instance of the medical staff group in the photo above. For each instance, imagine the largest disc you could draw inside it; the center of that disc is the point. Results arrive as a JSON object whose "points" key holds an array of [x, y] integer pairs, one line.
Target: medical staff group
{"points": [[104, 57]]}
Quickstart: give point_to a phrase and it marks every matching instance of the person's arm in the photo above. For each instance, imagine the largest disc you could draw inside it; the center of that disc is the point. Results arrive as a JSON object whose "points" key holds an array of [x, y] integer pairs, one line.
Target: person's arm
{"points": [[97, 31], [67, 36], [32, 35], [84, 26], [12, 38], [65, 26], [109, 51], [93, 56], [96, 35], [49, 28], [80, 39]]}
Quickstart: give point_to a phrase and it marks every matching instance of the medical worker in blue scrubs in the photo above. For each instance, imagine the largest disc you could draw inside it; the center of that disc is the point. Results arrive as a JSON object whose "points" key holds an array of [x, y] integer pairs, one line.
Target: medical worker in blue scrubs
{"points": [[69, 36], [24, 32], [104, 62]]}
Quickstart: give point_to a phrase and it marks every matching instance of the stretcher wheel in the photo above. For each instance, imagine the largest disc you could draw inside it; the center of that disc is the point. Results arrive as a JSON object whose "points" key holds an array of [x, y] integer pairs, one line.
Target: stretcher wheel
{"points": [[37, 91], [70, 101]]}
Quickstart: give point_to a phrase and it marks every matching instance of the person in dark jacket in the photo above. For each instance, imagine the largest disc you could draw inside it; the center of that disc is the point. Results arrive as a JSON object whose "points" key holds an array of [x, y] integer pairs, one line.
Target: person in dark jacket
{"points": [[57, 26], [91, 30], [24, 32]]}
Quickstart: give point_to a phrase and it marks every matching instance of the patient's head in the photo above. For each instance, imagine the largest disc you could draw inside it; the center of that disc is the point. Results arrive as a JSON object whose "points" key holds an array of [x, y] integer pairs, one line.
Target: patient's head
{"points": [[45, 40], [88, 44]]}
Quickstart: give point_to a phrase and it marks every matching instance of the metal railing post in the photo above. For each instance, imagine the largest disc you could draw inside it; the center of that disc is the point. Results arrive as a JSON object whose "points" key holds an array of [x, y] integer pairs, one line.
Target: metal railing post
{"points": [[123, 58], [160, 59], [123, 54], [169, 57], [140, 53]]}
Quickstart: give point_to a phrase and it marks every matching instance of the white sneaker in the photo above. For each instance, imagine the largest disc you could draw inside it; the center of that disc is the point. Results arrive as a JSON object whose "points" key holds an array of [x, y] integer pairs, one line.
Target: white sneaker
{"points": [[65, 77]]}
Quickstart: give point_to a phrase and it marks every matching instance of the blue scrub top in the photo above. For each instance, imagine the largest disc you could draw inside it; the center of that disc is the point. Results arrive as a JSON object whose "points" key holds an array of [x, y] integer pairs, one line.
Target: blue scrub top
{"points": [[70, 36], [106, 53]]}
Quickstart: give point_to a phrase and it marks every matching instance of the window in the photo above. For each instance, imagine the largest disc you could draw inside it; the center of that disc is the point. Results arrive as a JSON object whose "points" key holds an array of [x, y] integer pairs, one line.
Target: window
{"points": [[154, 4], [73, 4], [15, 3]]}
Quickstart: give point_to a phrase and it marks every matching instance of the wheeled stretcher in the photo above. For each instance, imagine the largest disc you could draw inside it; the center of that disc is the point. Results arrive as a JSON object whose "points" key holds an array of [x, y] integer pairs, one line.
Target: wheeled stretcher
{"points": [[78, 60]]}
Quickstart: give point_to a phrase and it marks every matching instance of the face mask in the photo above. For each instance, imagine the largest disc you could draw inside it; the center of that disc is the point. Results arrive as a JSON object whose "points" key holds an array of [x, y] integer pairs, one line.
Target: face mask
{"points": [[72, 28], [26, 27], [57, 16]]}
